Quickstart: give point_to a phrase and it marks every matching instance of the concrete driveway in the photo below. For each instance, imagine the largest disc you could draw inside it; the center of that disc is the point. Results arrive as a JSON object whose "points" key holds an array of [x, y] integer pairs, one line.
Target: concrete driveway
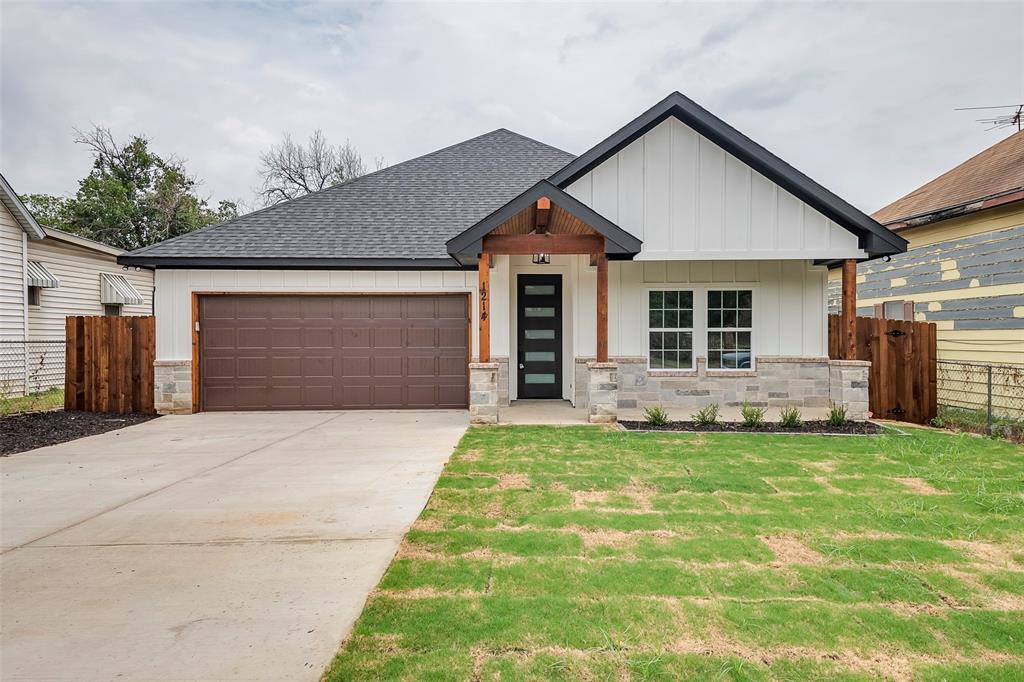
{"points": [[207, 547]]}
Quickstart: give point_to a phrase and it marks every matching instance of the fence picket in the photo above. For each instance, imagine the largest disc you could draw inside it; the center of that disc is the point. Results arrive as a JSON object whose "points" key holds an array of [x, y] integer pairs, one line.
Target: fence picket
{"points": [[109, 364]]}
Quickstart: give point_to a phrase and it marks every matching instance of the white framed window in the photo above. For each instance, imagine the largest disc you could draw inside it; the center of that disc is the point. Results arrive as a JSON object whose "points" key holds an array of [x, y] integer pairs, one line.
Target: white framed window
{"points": [[112, 309], [730, 328], [670, 329]]}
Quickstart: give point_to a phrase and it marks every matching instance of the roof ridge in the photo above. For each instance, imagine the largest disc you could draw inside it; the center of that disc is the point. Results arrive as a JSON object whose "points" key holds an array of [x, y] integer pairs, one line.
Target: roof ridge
{"points": [[535, 141]]}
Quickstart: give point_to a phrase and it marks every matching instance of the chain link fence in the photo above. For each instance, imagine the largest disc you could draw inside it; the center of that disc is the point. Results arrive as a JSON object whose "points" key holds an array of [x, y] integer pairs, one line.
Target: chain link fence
{"points": [[982, 397], [31, 375]]}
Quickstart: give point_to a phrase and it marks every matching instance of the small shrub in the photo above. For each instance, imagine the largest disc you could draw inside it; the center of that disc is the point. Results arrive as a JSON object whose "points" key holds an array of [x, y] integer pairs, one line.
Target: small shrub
{"points": [[656, 415], [837, 414], [789, 417], [752, 416], [706, 416]]}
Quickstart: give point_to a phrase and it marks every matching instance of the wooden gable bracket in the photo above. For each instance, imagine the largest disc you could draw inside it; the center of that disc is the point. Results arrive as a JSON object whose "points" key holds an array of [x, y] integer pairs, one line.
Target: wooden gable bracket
{"points": [[543, 215]]}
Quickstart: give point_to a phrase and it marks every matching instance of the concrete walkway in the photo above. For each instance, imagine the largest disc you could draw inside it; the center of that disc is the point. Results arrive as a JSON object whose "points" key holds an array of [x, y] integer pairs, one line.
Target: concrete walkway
{"points": [[207, 547]]}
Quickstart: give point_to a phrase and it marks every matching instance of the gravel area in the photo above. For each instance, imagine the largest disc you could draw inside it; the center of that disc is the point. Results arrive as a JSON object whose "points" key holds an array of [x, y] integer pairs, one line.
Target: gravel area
{"points": [[23, 432], [737, 427]]}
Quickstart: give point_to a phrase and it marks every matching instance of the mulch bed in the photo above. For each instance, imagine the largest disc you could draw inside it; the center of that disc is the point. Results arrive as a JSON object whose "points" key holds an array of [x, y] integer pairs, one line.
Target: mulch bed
{"points": [[23, 432], [855, 428]]}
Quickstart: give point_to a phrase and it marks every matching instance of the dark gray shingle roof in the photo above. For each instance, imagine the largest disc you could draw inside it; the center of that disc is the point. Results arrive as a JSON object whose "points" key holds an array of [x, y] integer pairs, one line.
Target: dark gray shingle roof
{"points": [[406, 211]]}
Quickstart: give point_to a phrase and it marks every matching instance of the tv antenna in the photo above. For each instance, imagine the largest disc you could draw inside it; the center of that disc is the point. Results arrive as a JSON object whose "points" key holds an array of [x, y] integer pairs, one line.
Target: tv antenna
{"points": [[1004, 120]]}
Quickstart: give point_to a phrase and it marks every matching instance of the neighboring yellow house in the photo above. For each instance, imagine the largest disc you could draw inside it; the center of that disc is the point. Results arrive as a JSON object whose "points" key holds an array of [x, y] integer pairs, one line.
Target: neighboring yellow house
{"points": [[963, 270]]}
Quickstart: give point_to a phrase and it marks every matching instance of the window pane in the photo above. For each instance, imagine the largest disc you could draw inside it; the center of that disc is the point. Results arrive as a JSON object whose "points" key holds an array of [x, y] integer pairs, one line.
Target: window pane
{"points": [[714, 299], [743, 340], [539, 333], [671, 319], [657, 319], [657, 360], [714, 340], [745, 299], [539, 289], [728, 340], [729, 318], [686, 319], [715, 359], [714, 318], [671, 299], [671, 360], [671, 340], [539, 312], [746, 318], [656, 340], [686, 359], [540, 356], [728, 299], [540, 378], [686, 340], [656, 299], [686, 299]]}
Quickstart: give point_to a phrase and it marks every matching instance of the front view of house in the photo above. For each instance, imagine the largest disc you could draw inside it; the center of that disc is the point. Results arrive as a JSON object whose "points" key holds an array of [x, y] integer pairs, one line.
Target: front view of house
{"points": [[676, 263]]}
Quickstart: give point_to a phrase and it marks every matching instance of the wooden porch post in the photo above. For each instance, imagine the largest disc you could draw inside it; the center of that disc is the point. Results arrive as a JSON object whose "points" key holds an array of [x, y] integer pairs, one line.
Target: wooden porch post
{"points": [[849, 310], [484, 296], [602, 307]]}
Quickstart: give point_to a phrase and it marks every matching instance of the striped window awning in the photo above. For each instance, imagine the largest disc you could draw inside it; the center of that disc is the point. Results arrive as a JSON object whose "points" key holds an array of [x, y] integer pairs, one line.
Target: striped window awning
{"points": [[39, 276], [115, 289]]}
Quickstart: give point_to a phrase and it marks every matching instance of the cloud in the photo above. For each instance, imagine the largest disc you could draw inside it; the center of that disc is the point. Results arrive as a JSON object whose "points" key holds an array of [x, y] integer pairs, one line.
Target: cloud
{"points": [[859, 96]]}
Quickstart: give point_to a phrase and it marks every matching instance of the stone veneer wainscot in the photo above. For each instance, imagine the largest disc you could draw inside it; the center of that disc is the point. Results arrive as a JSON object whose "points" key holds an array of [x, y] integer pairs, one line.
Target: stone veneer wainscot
{"points": [[776, 381], [172, 381]]}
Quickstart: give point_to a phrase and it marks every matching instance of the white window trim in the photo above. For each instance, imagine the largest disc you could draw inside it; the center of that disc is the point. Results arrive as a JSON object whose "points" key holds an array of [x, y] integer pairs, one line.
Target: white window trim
{"points": [[753, 325], [647, 330], [700, 323]]}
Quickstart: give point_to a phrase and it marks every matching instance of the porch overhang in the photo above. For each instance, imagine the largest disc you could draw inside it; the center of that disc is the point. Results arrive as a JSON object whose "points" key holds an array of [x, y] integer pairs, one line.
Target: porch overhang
{"points": [[544, 219]]}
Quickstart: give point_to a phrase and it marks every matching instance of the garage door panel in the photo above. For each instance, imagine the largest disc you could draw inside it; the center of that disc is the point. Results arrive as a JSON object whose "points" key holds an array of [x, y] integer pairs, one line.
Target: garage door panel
{"points": [[294, 351]]}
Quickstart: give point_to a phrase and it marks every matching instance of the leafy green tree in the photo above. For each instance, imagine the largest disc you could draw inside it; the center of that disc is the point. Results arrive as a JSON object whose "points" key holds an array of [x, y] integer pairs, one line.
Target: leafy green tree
{"points": [[131, 198]]}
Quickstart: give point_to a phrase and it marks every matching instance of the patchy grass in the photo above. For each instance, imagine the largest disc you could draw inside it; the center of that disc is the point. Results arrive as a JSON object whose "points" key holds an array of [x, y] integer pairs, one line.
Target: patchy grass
{"points": [[586, 553], [50, 399]]}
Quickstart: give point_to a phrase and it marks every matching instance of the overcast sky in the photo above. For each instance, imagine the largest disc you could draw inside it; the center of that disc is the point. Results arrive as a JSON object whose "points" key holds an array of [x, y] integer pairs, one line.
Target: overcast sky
{"points": [[859, 96]]}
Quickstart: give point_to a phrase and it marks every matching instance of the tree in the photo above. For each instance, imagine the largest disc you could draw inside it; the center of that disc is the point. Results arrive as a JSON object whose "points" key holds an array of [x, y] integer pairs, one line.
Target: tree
{"points": [[289, 170], [131, 198]]}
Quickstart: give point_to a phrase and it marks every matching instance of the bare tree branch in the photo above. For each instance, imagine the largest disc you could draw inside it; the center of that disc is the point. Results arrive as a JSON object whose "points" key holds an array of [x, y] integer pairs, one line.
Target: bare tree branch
{"points": [[289, 170]]}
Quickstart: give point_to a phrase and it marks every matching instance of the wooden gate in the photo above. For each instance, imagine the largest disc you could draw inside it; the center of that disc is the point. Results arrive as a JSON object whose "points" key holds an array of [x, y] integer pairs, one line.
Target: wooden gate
{"points": [[901, 383], [108, 364]]}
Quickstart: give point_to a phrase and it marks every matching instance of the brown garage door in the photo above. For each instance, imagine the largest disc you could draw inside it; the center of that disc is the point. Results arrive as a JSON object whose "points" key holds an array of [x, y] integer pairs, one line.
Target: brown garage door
{"points": [[307, 352]]}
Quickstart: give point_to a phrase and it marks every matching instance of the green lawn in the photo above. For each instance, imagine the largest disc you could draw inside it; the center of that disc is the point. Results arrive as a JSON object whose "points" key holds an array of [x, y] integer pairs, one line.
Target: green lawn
{"points": [[34, 402], [591, 554]]}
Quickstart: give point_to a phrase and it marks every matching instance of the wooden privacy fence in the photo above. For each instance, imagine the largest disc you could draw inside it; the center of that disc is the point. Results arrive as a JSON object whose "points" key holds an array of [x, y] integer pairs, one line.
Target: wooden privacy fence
{"points": [[902, 380], [108, 365]]}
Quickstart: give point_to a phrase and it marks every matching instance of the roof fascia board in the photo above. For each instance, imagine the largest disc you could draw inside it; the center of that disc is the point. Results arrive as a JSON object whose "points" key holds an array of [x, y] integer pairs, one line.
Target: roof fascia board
{"points": [[617, 240], [21, 214], [742, 147], [284, 263], [83, 242]]}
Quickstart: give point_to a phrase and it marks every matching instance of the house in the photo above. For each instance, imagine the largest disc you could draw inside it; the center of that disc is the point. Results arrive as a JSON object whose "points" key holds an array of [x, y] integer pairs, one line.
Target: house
{"points": [[963, 270], [677, 262], [48, 274]]}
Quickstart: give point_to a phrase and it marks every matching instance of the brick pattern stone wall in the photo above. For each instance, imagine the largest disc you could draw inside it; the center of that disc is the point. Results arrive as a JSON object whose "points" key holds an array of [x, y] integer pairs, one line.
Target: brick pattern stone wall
{"points": [[848, 385], [173, 386], [603, 392], [483, 392], [503, 366], [775, 382]]}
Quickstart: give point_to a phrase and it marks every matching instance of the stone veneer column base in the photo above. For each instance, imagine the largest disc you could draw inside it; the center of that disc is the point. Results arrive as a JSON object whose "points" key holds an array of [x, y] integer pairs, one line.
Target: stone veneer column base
{"points": [[483, 392], [172, 386], [603, 392], [503, 366], [848, 386]]}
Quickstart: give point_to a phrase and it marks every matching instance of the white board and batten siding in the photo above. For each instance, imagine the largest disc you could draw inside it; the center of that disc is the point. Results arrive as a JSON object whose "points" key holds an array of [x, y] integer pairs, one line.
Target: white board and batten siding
{"points": [[78, 270], [12, 277], [687, 198], [175, 288], [790, 316]]}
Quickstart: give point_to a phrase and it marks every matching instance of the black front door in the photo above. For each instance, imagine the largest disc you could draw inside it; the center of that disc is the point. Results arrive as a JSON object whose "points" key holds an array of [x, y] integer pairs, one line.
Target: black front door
{"points": [[540, 336]]}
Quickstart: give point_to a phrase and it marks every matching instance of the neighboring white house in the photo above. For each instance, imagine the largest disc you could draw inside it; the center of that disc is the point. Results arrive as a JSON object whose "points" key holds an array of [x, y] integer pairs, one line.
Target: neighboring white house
{"points": [[677, 262], [46, 275]]}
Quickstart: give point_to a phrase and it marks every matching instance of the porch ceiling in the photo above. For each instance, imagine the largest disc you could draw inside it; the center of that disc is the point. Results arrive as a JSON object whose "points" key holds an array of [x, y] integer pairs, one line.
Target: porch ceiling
{"points": [[559, 222]]}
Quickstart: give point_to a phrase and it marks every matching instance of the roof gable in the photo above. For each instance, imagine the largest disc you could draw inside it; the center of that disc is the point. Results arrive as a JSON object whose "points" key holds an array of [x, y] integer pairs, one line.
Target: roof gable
{"points": [[21, 214], [873, 238]]}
